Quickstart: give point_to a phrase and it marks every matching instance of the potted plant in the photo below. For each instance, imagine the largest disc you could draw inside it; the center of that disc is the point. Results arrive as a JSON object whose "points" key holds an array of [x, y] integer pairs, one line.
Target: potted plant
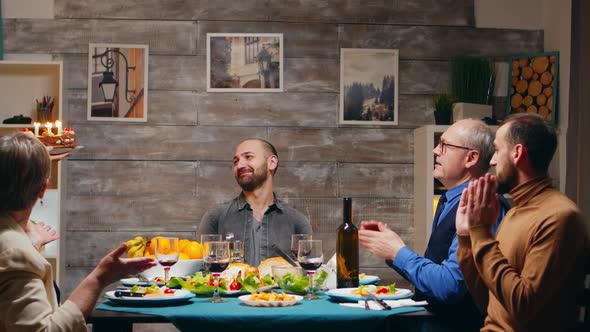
{"points": [[473, 80], [443, 108]]}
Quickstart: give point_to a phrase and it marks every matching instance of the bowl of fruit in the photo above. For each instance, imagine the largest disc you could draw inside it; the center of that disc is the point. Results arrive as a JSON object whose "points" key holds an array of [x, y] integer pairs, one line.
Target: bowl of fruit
{"points": [[189, 258]]}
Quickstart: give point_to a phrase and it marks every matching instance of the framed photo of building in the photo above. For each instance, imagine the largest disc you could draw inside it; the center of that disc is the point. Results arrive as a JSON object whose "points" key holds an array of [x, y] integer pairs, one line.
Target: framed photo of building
{"points": [[369, 86], [245, 62], [117, 82]]}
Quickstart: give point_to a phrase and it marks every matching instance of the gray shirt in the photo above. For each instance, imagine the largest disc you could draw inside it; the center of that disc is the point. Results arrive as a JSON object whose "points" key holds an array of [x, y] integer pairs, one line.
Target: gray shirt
{"points": [[277, 225]]}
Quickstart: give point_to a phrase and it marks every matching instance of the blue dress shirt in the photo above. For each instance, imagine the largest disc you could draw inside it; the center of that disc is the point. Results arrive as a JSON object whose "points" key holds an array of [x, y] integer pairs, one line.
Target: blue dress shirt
{"points": [[443, 282]]}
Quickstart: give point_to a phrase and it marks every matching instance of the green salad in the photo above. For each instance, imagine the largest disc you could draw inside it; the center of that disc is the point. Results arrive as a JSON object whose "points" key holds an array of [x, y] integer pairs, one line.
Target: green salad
{"points": [[298, 284]]}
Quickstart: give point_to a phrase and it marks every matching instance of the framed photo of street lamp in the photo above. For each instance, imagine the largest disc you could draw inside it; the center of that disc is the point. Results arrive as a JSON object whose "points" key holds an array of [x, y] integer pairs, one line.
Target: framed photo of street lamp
{"points": [[245, 62], [117, 82], [369, 86]]}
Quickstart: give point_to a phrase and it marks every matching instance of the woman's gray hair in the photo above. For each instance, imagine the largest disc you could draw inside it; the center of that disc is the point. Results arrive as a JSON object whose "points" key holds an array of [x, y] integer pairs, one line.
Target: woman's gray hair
{"points": [[25, 167], [480, 137]]}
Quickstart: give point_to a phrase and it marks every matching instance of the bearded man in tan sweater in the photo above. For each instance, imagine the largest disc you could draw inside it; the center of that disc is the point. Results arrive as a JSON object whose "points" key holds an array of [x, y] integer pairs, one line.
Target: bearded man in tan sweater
{"points": [[528, 276]]}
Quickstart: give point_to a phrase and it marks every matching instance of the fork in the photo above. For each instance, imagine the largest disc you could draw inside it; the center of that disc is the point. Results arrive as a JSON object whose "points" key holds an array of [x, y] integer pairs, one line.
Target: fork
{"points": [[142, 278], [366, 303]]}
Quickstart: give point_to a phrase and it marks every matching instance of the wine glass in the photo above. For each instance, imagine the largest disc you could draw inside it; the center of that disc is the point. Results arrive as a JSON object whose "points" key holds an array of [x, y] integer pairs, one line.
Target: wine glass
{"points": [[167, 254], [209, 238], [216, 255], [310, 256], [295, 243]]}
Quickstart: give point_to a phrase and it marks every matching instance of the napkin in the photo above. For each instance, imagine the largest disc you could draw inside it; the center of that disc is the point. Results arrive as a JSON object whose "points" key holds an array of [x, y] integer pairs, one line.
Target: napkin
{"points": [[330, 267], [392, 303]]}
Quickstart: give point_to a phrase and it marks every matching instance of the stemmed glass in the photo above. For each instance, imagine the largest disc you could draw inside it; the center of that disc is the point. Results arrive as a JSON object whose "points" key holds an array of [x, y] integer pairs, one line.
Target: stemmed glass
{"points": [[216, 255], [209, 238], [295, 243], [167, 254], [310, 256]]}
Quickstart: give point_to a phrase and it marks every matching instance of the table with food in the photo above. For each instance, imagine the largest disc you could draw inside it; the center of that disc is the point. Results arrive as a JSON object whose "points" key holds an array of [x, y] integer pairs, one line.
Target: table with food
{"points": [[265, 297]]}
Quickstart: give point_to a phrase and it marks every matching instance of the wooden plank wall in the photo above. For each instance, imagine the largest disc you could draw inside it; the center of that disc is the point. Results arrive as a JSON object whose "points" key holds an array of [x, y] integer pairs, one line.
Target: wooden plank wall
{"points": [[160, 177]]}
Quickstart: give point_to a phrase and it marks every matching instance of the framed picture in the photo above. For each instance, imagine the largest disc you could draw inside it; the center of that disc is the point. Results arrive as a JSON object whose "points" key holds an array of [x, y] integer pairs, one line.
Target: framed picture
{"points": [[533, 84], [369, 86], [117, 82], [245, 62]]}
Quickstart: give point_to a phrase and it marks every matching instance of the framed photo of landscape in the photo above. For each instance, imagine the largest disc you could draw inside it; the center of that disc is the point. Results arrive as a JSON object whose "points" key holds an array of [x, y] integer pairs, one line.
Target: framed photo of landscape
{"points": [[533, 84], [245, 62], [369, 86]]}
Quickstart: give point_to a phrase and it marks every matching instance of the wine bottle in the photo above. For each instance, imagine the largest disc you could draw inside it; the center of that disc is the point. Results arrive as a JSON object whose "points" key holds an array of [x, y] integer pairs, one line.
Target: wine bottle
{"points": [[347, 250]]}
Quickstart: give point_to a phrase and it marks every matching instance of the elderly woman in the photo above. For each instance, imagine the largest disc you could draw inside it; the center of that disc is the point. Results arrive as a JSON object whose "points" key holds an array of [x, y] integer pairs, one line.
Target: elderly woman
{"points": [[27, 297]]}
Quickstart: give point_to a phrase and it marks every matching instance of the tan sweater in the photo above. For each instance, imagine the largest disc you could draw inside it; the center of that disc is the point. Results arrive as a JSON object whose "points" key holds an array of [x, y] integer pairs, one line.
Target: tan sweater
{"points": [[529, 275], [27, 297]]}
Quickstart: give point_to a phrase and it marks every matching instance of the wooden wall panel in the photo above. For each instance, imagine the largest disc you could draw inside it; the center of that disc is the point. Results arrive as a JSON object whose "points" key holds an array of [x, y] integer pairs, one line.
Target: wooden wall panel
{"points": [[312, 75], [141, 142], [431, 42], [73, 36], [377, 180], [274, 109], [125, 178], [156, 213], [344, 144], [442, 12]]}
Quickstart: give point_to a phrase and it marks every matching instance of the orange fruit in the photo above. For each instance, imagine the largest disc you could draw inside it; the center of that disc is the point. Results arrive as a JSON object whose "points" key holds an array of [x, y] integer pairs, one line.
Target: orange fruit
{"points": [[194, 250], [182, 245], [152, 247], [183, 256]]}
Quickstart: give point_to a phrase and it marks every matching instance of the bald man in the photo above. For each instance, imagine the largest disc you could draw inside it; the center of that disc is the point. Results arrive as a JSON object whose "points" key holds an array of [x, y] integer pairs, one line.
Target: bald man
{"points": [[257, 216]]}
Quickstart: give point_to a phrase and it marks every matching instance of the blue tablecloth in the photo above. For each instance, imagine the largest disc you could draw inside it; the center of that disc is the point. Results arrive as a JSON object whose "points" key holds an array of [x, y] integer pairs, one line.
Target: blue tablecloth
{"points": [[316, 314]]}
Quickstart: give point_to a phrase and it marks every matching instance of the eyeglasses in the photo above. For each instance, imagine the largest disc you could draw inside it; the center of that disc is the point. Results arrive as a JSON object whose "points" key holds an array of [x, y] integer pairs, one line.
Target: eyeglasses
{"points": [[443, 147]]}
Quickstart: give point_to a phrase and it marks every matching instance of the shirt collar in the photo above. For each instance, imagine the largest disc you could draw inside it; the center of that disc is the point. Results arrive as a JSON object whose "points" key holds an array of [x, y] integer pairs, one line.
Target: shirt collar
{"points": [[455, 191], [242, 203], [524, 192]]}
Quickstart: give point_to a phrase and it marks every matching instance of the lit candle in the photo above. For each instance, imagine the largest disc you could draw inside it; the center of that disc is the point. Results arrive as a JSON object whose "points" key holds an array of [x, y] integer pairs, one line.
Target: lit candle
{"points": [[58, 126], [37, 124], [49, 125]]}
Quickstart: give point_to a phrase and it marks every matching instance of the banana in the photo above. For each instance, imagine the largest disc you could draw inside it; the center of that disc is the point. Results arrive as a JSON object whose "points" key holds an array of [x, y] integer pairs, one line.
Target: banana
{"points": [[136, 247]]}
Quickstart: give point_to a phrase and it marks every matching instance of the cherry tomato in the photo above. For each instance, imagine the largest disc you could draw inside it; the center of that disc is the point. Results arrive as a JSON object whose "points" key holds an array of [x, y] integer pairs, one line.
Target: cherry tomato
{"points": [[235, 285], [382, 290], [168, 291]]}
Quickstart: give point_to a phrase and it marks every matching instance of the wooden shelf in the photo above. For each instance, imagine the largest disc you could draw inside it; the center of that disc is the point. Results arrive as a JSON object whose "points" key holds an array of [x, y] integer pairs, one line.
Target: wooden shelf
{"points": [[23, 82]]}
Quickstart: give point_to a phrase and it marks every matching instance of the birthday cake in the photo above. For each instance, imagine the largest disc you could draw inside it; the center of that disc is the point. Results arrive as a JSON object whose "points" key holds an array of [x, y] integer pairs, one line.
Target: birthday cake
{"points": [[67, 139]]}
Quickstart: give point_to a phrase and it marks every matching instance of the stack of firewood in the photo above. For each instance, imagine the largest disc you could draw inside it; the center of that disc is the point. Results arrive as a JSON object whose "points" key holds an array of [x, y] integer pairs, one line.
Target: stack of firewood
{"points": [[533, 85]]}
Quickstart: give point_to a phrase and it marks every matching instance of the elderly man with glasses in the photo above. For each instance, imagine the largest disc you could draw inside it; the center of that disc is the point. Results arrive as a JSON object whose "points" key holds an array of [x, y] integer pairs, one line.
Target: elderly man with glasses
{"points": [[462, 154]]}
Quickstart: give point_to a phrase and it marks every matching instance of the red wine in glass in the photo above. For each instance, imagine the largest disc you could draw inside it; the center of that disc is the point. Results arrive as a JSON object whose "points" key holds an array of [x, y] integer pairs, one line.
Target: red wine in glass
{"points": [[310, 265], [216, 267], [167, 262]]}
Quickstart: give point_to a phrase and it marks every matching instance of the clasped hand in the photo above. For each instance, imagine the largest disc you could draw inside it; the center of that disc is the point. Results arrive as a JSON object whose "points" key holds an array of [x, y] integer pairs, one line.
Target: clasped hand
{"points": [[479, 205]]}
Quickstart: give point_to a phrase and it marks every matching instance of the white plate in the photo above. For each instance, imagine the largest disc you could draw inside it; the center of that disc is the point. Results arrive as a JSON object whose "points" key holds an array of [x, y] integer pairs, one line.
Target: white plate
{"points": [[367, 280], [345, 294], [246, 300], [180, 295], [130, 282]]}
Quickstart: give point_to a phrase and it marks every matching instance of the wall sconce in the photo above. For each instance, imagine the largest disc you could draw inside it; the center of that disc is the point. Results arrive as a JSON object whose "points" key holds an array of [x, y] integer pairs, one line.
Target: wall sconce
{"points": [[109, 84]]}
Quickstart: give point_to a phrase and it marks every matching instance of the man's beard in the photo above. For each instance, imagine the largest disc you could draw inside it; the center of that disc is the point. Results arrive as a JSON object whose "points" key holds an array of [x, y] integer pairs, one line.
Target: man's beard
{"points": [[507, 182], [250, 183]]}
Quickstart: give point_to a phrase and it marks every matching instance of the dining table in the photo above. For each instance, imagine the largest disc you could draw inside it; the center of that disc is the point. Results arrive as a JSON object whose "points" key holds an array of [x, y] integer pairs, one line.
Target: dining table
{"points": [[197, 313]]}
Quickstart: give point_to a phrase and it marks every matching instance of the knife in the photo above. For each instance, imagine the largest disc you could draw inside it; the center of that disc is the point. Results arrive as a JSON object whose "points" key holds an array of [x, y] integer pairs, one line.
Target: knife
{"points": [[120, 293], [284, 255], [380, 301]]}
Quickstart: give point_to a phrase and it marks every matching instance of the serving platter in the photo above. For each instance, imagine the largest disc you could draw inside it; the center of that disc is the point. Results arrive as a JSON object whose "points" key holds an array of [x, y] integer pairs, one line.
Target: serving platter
{"points": [[369, 280], [130, 282], [247, 301]]}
